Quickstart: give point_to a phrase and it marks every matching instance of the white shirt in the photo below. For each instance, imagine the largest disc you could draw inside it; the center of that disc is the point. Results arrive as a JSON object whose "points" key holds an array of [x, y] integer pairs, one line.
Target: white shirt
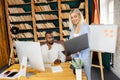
{"points": [[49, 56], [75, 35]]}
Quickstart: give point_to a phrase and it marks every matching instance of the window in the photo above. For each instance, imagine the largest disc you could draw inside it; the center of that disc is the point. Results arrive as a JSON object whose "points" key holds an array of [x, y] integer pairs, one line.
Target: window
{"points": [[106, 11]]}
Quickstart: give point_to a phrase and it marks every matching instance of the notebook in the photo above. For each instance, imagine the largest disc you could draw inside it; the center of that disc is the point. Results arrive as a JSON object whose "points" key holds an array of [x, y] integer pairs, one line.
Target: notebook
{"points": [[56, 69]]}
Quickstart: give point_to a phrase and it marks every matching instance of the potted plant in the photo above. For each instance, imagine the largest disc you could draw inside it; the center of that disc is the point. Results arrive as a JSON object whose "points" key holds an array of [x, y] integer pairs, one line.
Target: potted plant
{"points": [[77, 64]]}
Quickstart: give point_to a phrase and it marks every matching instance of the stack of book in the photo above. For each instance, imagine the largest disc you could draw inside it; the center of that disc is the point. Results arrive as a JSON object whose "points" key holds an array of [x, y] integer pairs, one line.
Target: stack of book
{"points": [[65, 39], [43, 1], [41, 34], [45, 17], [20, 18], [65, 24], [12, 2], [65, 7], [23, 26], [55, 33], [67, 0], [16, 10], [25, 35], [45, 25], [82, 5], [14, 36], [66, 32], [43, 8], [65, 15]]}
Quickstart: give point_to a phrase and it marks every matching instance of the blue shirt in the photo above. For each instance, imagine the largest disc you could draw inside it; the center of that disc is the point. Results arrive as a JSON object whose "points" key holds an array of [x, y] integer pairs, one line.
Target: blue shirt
{"points": [[83, 29]]}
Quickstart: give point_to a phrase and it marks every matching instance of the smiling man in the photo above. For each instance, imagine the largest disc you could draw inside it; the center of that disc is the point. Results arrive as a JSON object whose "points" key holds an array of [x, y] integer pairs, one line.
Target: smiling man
{"points": [[51, 51]]}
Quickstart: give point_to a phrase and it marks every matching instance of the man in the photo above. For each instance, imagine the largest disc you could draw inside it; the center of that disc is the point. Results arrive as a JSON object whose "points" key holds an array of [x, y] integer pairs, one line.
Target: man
{"points": [[52, 52]]}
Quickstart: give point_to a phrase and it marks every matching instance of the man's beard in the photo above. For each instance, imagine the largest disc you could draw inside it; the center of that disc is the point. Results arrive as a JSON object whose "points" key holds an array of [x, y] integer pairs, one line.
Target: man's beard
{"points": [[51, 43]]}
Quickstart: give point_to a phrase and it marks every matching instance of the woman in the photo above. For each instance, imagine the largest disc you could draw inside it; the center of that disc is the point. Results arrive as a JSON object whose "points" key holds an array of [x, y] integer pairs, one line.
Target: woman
{"points": [[78, 27]]}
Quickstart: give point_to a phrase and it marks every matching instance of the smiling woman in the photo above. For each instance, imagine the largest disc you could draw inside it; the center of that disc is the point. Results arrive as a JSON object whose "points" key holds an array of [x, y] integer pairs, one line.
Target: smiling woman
{"points": [[79, 27], [4, 49]]}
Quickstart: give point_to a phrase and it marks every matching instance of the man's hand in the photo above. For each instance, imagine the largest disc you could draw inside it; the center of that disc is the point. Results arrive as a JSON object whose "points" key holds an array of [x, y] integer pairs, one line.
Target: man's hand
{"points": [[57, 61]]}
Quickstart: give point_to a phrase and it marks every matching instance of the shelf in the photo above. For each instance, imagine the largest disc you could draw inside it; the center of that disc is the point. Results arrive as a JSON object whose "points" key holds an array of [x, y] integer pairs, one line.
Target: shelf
{"points": [[22, 13], [26, 30], [13, 5], [66, 35], [47, 20], [48, 28], [20, 22], [46, 11], [26, 39], [44, 37], [72, 1], [65, 18], [65, 27], [68, 10], [47, 2]]}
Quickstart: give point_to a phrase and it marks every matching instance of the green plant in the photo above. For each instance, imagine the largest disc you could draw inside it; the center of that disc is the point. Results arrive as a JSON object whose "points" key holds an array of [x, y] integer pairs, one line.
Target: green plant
{"points": [[77, 63]]}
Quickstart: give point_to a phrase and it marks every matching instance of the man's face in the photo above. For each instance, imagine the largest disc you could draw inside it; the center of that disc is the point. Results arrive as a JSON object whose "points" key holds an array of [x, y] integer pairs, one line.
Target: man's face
{"points": [[49, 38]]}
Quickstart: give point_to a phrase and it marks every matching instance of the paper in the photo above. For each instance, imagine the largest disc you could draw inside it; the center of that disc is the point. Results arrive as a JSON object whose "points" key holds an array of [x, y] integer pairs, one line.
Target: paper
{"points": [[56, 69]]}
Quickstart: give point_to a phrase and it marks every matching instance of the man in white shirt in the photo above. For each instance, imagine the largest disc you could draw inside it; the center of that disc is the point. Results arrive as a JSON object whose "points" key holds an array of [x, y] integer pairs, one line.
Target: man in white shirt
{"points": [[51, 51]]}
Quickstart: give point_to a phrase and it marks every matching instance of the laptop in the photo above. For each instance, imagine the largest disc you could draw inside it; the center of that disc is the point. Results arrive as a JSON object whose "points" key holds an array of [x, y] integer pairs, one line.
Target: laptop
{"points": [[76, 44]]}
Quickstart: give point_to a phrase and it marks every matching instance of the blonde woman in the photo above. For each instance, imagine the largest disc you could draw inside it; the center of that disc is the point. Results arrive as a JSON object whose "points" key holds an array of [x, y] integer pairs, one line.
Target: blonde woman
{"points": [[79, 27]]}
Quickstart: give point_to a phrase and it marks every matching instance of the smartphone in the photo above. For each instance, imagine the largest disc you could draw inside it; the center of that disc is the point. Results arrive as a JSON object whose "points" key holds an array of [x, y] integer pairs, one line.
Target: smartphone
{"points": [[12, 74], [7, 72]]}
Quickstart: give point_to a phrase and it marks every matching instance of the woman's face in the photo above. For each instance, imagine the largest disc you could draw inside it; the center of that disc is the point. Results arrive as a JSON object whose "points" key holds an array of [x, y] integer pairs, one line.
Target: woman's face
{"points": [[75, 18]]}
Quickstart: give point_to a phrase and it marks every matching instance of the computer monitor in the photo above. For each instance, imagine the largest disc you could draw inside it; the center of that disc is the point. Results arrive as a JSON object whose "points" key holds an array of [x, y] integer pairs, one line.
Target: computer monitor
{"points": [[32, 51]]}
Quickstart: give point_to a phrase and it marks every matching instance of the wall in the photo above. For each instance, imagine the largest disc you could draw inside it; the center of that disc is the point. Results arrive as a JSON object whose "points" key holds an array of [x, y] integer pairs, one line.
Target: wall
{"points": [[116, 68], [110, 14]]}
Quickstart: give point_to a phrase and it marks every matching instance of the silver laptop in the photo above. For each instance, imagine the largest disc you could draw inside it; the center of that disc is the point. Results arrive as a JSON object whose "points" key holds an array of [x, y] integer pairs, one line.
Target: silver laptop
{"points": [[76, 44]]}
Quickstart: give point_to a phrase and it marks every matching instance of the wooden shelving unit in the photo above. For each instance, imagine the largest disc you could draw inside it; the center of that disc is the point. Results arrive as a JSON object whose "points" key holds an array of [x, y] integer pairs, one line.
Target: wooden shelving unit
{"points": [[35, 17], [43, 14]]}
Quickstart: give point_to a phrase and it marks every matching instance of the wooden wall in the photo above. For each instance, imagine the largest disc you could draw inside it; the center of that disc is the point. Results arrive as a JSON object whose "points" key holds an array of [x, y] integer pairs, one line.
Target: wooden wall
{"points": [[4, 45]]}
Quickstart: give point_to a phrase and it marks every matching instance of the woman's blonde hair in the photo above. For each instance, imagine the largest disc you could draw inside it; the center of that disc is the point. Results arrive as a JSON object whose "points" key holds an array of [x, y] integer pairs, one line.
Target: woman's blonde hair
{"points": [[79, 13]]}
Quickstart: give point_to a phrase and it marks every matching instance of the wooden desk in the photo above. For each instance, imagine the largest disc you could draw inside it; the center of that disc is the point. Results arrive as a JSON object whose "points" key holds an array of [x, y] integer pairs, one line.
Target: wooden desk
{"points": [[67, 73]]}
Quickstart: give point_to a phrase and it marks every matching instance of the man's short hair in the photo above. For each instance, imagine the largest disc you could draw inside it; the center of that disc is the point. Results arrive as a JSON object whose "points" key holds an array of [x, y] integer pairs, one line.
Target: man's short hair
{"points": [[48, 32]]}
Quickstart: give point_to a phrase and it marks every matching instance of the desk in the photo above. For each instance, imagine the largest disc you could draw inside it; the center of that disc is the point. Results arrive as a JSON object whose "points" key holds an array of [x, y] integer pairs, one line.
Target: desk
{"points": [[67, 73]]}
